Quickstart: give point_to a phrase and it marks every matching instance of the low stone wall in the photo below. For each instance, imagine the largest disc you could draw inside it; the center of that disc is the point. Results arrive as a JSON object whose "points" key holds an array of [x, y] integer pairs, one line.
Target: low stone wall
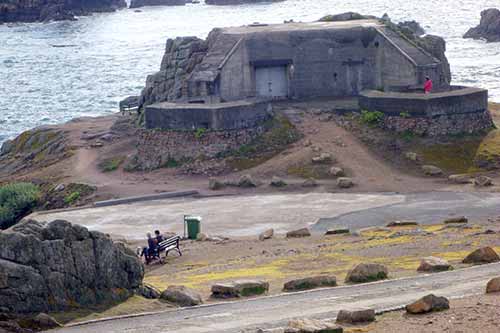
{"points": [[214, 116], [158, 148], [461, 110]]}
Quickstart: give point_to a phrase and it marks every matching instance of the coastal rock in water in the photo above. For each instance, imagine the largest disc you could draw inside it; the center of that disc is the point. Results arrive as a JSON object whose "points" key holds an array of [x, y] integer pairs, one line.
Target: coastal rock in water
{"points": [[429, 303], [235, 2], [182, 296], [433, 264], [58, 266], [483, 255], [412, 26], [142, 3], [53, 10], [488, 28], [366, 273]]}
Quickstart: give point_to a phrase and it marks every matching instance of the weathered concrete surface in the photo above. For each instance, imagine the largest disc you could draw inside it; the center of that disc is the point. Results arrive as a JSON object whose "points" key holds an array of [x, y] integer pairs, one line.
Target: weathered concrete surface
{"points": [[319, 304], [236, 216]]}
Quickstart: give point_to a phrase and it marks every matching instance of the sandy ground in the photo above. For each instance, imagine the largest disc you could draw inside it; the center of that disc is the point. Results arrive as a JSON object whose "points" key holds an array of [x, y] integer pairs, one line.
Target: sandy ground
{"points": [[480, 314], [280, 259]]}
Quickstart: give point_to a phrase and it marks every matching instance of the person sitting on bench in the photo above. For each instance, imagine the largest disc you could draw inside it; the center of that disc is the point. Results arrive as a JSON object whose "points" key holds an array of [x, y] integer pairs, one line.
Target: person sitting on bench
{"points": [[150, 252], [159, 237]]}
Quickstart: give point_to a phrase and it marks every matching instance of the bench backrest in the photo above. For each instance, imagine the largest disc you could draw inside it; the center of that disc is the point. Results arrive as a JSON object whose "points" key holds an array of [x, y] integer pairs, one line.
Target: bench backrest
{"points": [[172, 241]]}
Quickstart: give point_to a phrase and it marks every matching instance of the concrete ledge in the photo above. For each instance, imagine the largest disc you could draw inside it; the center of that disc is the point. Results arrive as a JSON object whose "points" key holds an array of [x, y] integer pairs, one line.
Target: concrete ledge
{"points": [[459, 100], [214, 116], [149, 197]]}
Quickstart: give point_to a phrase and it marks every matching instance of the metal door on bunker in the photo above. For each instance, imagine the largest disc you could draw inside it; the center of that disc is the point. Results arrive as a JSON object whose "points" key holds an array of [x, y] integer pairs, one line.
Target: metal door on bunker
{"points": [[271, 81]]}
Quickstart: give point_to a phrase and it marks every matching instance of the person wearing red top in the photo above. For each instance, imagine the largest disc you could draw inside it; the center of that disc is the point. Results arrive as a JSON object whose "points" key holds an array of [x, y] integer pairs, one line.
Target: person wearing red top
{"points": [[428, 85]]}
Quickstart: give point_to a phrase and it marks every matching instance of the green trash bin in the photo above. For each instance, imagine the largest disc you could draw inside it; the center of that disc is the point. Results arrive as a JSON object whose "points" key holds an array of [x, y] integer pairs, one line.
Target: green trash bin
{"points": [[193, 226]]}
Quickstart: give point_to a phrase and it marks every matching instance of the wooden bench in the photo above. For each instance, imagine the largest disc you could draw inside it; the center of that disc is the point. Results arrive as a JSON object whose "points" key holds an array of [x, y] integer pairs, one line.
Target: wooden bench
{"points": [[170, 244]]}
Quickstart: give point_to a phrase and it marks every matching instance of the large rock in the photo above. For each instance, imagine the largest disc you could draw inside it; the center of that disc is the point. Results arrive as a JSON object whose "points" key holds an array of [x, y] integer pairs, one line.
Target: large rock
{"points": [[460, 179], [148, 291], [483, 181], [431, 170], [247, 181], [483, 255], [182, 296], [345, 182], [456, 219], [429, 303], [40, 322], [240, 288], [277, 182], [433, 264], [366, 273], [310, 283], [493, 285], [268, 234], [58, 266], [312, 326], [323, 158], [356, 316], [42, 10], [215, 185], [488, 28], [304, 232], [336, 172], [142, 3]]}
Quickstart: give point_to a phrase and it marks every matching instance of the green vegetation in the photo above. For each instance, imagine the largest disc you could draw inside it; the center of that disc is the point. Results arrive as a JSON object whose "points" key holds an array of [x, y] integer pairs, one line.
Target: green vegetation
{"points": [[372, 118], [199, 132], [111, 164], [279, 132], [405, 115], [16, 201], [72, 198], [454, 157]]}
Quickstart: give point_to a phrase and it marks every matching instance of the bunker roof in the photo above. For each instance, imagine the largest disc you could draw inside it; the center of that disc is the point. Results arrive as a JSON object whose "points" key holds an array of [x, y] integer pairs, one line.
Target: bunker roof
{"points": [[299, 26]]}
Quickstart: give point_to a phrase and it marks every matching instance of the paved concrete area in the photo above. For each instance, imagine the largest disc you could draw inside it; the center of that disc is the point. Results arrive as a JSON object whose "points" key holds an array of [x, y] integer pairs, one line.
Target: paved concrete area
{"points": [[275, 311], [425, 208], [237, 216]]}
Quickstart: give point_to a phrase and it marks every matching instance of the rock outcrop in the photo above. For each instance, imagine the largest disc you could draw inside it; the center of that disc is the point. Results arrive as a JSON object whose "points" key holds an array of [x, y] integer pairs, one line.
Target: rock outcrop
{"points": [[182, 296], [54, 10], [142, 3], [485, 255], [429, 303], [310, 283], [488, 28], [367, 273], [58, 266]]}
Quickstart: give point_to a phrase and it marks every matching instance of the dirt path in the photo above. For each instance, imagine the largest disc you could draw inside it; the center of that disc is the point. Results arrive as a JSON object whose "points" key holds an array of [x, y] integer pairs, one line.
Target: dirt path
{"points": [[325, 303]]}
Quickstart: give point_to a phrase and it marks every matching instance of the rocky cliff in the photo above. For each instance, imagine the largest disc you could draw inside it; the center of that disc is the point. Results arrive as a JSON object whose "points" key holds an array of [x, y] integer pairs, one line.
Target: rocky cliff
{"points": [[47, 10], [181, 56], [142, 3], [59, 266], [488, 28]]}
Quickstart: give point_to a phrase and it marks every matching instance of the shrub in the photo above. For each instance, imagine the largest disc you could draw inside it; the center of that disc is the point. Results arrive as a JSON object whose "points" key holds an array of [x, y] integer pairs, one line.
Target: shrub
{"points": [[16, 201], [199, 132], [372, 117], [111, 164], [72, 198]]}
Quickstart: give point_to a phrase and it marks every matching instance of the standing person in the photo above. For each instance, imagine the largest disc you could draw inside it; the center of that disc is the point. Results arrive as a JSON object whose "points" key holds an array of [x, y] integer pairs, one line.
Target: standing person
{"points": [[428, 85]]}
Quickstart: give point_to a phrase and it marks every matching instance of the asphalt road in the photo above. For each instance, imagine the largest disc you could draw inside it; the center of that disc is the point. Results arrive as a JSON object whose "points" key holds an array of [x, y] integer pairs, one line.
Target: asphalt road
{"points": [[236, 216], [275, 311]]}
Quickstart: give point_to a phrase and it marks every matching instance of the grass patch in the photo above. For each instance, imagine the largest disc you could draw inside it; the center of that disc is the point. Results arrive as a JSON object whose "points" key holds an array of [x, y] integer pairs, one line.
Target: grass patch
{"points": [[456, 157], [279, 132], [111, 164], [371, 118], [16, 201], [72, 198]]}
